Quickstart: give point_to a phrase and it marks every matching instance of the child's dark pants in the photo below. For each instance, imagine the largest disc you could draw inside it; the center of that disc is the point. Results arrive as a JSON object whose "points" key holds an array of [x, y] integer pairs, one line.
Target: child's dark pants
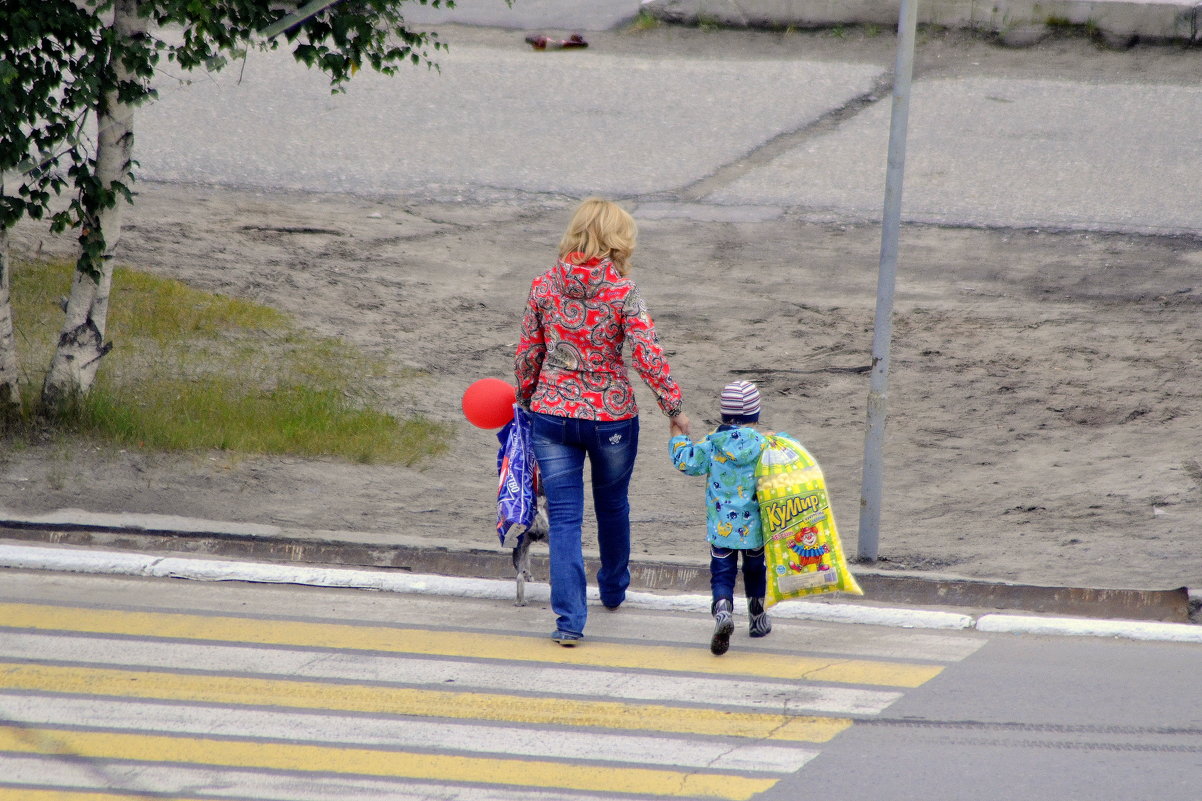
{"points": [[724, 570]]}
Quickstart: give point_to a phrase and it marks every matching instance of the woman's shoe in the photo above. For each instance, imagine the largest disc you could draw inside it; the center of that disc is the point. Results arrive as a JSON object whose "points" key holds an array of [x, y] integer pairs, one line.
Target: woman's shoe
{"points": [[566, 638]]}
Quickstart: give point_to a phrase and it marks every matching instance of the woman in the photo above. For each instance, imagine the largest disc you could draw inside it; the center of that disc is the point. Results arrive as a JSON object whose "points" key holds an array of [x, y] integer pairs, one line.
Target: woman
{"points": [[571, 375]]}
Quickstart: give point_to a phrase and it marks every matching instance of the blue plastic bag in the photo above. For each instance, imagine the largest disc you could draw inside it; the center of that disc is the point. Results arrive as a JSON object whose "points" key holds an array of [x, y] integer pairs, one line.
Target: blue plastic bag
{"points": [[516, 467]]}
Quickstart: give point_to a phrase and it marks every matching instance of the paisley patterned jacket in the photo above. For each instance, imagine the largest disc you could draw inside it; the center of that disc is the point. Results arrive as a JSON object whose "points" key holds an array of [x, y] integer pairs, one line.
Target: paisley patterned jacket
{"points": [[569, 360]]}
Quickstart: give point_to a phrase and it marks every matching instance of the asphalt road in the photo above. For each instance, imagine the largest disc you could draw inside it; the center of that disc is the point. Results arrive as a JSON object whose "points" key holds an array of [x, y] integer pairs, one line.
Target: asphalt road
{"points": [[727, 121]]}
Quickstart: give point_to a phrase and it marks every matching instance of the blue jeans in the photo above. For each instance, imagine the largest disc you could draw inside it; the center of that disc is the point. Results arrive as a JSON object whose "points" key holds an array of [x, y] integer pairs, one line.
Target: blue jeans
{"points": [[560, 445], [724, 569]]}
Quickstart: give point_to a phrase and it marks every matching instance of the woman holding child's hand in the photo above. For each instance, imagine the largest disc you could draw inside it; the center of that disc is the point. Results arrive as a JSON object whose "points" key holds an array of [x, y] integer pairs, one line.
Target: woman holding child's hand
{"points": [[571, 375]]}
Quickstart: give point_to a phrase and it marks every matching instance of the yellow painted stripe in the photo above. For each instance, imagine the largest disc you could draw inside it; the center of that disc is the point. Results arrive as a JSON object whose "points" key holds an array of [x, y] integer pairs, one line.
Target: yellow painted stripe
{"points": [[366, 762], [405, 701], [8, 794], [458, 644]]}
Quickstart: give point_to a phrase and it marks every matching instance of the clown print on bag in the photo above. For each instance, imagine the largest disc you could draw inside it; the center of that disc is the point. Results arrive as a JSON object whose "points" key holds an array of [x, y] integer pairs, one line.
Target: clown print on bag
{"points": [[808, 551]]}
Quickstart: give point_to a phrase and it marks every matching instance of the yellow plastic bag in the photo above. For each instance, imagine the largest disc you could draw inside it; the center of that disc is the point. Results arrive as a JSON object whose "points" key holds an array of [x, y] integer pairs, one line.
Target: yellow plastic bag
{"points": [[801, 541]]}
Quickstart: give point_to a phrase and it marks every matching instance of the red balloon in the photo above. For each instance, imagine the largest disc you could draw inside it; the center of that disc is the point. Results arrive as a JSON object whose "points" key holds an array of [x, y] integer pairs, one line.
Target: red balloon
{"points": [[488, 403]]}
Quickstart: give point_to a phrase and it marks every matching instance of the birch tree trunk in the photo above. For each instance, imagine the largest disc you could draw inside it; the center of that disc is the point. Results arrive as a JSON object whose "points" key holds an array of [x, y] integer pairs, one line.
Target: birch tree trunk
{"points": [[10, 388], [81, 343]]}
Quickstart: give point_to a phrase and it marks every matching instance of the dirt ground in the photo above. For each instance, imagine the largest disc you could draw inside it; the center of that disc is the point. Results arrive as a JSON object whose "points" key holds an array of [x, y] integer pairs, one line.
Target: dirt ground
{"points": [[1044, 399]]}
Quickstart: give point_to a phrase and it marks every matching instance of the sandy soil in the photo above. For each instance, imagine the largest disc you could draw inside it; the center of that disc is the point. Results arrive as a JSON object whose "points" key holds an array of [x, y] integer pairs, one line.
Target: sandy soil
{"points": [[1044, 391], [1044, 396]]}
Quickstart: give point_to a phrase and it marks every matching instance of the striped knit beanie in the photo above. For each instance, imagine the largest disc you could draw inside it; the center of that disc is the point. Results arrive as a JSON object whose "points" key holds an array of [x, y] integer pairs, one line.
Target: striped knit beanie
{"points": [[740, 403]]}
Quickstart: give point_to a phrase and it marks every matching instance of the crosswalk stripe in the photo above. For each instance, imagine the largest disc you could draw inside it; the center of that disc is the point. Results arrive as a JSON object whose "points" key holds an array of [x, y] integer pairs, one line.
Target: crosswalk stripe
{"points": [[763, 694], [30, 794], [314, 726], [695, 625], [458, 644], [179, 783], [367, 762], [404, 701]]}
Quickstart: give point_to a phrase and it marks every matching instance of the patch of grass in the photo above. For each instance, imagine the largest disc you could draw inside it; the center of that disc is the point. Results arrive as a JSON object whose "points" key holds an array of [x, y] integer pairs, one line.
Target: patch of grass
{"points": [[145, 306], [645, 22], [192, 371], [1065, 28]]}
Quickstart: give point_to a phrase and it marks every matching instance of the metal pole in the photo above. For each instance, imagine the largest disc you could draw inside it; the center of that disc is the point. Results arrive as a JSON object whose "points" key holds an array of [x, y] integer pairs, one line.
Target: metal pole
{"points": [[872, 481]]}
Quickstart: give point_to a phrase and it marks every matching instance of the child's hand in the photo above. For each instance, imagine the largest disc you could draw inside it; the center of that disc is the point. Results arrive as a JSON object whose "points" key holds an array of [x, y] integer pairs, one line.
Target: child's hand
{"points": [[679, 424], [675, 429]]}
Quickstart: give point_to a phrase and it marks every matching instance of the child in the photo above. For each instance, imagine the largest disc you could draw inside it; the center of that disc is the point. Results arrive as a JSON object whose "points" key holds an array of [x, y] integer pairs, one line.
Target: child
{"points": [[728, 457]]}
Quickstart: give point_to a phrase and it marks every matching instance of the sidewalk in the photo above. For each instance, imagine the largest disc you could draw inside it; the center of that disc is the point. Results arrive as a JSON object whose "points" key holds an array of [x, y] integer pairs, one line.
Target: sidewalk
{"points": [[383, 559], [1018, 22]]}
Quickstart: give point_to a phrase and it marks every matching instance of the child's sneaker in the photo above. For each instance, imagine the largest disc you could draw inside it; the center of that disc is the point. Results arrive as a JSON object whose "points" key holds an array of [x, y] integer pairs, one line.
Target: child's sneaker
{"points": [[724, 626], [760, 625]]}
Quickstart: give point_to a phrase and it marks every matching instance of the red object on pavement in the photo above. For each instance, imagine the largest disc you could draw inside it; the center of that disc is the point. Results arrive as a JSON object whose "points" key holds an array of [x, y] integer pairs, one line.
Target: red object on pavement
{"points": [[540, 42]]}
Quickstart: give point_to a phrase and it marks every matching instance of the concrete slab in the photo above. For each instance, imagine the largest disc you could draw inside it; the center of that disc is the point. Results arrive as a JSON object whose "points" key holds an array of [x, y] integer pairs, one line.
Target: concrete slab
{"points": [[996, 152], [704, 212], [529, 15], [1148, 20], [490, 120]]}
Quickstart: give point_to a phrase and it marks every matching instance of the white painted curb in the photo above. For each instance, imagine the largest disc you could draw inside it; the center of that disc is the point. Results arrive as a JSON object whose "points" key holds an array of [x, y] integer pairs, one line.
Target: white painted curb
{"points": [[1079, 627], [28, 557]]}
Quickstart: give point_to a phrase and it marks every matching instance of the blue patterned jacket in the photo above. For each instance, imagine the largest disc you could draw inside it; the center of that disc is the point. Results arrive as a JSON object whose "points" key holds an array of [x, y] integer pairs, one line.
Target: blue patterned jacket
{"points": [[727, 458]]}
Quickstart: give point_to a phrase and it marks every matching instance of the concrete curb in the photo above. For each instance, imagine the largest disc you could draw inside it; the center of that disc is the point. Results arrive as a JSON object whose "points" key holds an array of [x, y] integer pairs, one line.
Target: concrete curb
{"points": [[167, 534], [27, 557], [1119, 22]]}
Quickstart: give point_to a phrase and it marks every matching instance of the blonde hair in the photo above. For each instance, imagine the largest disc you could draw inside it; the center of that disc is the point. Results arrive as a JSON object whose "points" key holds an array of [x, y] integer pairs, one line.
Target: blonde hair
{"points": [[601, 229]]}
